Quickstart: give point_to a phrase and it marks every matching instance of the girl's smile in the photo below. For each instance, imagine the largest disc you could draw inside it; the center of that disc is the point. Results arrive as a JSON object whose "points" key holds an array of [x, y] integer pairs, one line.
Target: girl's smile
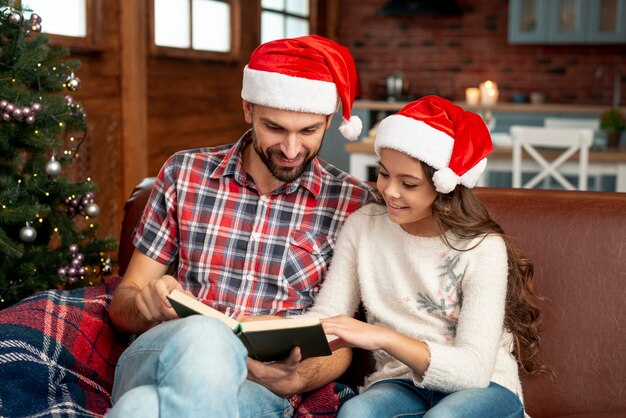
{"points": [[407, 192]]}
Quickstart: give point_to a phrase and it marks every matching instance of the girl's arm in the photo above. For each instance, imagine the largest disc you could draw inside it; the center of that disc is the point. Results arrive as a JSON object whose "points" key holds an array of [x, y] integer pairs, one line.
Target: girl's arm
{"points": [[469, 360], [339, 293], [355, 333]]}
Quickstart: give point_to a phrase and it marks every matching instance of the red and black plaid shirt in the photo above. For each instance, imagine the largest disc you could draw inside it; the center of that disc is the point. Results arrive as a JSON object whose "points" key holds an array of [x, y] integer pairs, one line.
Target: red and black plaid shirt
{"points": [[241, 252]]}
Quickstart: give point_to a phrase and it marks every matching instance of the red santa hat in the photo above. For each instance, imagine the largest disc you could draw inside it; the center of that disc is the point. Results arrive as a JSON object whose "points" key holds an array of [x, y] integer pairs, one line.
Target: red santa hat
{"points": [[441, 134], [309, 74]]}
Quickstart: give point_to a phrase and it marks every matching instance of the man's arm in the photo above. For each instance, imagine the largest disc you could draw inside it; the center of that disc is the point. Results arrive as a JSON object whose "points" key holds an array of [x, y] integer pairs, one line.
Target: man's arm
{"points": [[140, 300], [290, 377]]}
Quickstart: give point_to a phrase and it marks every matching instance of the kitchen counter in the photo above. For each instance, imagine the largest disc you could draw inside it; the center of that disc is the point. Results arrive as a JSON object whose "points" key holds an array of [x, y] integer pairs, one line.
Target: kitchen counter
{"points": [[381, 105]]}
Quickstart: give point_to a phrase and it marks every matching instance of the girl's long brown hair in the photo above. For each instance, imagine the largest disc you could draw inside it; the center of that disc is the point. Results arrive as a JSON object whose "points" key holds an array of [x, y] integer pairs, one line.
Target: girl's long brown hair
{"points": [[464, 214]]}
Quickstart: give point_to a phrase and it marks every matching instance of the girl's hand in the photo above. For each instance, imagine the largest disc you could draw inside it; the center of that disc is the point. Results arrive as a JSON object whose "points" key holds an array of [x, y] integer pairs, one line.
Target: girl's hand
{"points": [[353, 333]]}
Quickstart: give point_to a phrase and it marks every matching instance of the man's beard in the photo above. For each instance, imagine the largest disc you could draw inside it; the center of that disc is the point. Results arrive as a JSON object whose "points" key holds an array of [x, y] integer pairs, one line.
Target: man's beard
{"points": [[284, 174]]}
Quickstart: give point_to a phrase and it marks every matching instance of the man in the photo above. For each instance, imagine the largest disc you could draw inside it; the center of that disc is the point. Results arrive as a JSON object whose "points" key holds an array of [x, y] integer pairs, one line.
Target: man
{"points": [[251, 227]]}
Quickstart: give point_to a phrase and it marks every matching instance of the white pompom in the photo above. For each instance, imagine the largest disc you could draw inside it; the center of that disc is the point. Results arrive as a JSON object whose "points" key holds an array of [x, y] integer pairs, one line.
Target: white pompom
{"points": [[445, 180], [351, 129]]}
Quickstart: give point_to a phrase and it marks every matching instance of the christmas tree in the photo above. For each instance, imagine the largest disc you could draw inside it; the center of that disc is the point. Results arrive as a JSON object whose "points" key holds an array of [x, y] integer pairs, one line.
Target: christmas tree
{"points": [[47, 234]]}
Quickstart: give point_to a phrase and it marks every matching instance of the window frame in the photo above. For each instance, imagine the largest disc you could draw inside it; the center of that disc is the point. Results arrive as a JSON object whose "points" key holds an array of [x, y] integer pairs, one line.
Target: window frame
{"points": [[312, 16], [190, 53], [92, 41]]}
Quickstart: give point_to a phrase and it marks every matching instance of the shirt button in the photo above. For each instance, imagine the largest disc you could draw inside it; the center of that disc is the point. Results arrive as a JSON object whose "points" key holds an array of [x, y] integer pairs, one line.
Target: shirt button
{"points": [[264, 199], [249, 277], [255, 236]]}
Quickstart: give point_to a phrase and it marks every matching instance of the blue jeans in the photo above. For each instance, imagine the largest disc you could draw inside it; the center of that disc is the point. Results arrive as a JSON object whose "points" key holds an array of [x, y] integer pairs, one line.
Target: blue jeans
{"points": [[401, 398], [192, 367]]}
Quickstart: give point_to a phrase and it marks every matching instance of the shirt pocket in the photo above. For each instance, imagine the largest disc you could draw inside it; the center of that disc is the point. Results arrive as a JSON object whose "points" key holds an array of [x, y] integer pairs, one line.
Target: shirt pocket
{"points": [[307, 261]]}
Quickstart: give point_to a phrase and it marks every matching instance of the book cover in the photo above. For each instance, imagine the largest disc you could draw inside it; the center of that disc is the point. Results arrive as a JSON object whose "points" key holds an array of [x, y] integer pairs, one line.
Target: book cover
{"points": [[266, 340]]}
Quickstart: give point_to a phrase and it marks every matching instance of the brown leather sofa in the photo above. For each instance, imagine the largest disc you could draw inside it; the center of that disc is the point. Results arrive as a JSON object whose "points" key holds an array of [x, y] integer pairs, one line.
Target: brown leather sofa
{"points": [[577, 241]]}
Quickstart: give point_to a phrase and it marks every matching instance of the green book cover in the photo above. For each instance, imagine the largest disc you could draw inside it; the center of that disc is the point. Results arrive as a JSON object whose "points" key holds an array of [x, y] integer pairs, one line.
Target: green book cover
{"points": [[266, 340]]}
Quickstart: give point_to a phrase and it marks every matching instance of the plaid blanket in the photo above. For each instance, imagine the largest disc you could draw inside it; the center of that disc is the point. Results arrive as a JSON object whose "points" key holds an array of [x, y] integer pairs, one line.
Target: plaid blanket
{"points": [[58, 351]]}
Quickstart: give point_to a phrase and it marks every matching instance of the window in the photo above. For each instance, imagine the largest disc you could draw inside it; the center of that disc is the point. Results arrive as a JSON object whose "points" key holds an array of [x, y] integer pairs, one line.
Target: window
{"points": [[72, 23], [285, 19], [196, 28]]}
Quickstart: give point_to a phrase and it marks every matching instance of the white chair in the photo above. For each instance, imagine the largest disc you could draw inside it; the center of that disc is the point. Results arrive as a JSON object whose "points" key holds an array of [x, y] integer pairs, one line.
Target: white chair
{"points": [[529, 138], [573, 123], [585, 123]]}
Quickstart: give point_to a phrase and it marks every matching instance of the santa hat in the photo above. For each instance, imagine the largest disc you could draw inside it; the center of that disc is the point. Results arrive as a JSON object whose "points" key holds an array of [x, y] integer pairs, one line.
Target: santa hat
{"points": [[309, 74], [443, 135]]}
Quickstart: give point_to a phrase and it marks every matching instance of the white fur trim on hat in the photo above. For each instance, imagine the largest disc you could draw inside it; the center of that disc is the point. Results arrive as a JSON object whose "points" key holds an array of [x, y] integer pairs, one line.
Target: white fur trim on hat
{"points": [[445, 180], [285, 92], [470, 178], [350, 129], [414, 138]]}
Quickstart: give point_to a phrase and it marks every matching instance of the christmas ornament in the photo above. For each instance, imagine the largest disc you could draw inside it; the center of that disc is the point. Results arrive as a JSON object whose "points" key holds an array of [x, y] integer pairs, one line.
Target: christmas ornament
{"points": [[35, 23], [72, 83], [12, 112], [15, 18], [83, 204], [28, 233], [106, 266], [75, 270], [92, 210], [53, 167]]}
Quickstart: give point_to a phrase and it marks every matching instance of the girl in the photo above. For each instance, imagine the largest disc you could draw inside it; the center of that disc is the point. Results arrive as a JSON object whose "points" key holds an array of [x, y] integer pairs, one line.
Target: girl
{"points": [[449, 318]]}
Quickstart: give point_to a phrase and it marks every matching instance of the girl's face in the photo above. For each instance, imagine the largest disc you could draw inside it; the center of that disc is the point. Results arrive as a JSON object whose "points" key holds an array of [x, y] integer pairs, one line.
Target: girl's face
{"points": [[407, 192]]}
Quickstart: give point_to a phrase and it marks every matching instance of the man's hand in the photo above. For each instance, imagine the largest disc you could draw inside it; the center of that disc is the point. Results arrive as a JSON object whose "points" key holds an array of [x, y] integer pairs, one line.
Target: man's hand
{"points": [[152, 300], [280, 377]]}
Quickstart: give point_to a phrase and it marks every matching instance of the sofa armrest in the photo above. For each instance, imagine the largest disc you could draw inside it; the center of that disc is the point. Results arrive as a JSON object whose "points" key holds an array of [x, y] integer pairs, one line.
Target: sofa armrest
{"points": [[133, 209]]}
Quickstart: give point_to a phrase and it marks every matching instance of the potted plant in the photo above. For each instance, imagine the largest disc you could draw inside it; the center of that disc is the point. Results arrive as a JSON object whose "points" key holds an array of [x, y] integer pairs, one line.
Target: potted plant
{"points": [[613, 123]]}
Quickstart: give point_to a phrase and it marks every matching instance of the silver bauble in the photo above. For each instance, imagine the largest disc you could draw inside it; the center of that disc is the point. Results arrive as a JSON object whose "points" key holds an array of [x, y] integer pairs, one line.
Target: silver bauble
{"points": [[72, 83], [53, 167], [28, 233], [92, 210], [15, 18]]}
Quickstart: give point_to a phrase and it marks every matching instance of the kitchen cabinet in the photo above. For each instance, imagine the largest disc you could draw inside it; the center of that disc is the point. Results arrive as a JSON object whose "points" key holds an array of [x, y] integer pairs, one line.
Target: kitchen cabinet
{"points": [[567, 21]]}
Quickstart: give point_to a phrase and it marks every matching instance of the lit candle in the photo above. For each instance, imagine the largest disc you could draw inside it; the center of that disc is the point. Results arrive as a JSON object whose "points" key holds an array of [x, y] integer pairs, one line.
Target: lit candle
{"points": [[472, 95], [488, 93]]}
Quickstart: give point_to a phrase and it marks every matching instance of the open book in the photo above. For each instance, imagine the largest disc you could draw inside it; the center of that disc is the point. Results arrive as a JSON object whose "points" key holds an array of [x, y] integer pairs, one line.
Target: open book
{"points": [[266, 340]]}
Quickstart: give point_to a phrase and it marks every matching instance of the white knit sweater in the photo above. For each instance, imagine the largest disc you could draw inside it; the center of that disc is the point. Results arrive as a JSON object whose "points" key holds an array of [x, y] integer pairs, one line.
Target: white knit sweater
{"points": [[452, 300]]}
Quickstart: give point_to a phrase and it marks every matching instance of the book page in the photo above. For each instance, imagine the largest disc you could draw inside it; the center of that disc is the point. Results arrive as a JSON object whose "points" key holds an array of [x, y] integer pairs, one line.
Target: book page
{"points": [[200, 308], [279, 324]]}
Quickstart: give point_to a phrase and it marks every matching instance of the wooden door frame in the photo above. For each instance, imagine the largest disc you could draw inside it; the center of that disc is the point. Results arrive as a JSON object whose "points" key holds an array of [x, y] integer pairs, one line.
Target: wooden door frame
{"points": [[133, 83]]}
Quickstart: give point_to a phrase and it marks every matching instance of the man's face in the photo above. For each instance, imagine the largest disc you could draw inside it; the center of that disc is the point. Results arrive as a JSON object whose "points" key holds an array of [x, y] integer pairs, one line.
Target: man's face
{"points": [[285, 140]]}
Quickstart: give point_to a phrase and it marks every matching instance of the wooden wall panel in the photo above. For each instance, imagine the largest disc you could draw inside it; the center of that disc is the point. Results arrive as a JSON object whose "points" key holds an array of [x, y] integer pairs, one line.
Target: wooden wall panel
{"points": [[100, 96]]}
